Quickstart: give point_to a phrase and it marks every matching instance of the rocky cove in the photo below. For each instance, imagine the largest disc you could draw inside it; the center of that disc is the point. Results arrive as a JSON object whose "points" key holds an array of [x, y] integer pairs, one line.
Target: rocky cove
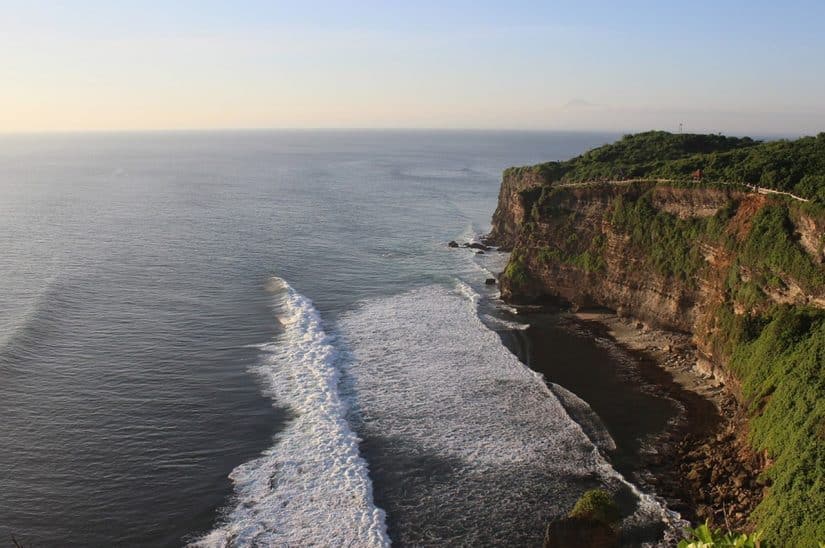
{"points": [[699, 464], [674, 428], [719, 289]]}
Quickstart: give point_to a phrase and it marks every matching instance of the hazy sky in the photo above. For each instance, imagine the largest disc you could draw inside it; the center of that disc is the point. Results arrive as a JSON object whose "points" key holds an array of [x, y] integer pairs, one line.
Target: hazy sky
{"points": [[731, 66]]}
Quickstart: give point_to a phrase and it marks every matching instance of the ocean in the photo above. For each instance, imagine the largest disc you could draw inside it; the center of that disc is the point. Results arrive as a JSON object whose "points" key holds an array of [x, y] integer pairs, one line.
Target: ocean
{"points": [[258, 338]]}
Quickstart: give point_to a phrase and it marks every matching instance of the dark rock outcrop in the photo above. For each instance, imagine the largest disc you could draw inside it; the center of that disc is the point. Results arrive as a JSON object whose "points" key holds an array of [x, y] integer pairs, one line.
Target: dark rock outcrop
{"points": [[578, 532], [476, 245]]}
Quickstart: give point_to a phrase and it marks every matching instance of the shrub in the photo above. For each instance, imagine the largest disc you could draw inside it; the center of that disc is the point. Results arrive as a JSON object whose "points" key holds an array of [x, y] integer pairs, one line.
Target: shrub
{"points": [[772, 248], [516, 271], [670, 244], [598, 505], [705, 537]]}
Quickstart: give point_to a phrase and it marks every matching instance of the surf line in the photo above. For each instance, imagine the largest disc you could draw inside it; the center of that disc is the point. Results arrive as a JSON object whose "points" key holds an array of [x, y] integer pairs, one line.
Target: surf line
{"points": [[311, 487]]}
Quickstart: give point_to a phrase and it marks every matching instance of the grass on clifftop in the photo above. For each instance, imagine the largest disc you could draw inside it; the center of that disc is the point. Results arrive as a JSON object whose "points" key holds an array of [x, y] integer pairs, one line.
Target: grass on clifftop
{"points": [[792, 166]]}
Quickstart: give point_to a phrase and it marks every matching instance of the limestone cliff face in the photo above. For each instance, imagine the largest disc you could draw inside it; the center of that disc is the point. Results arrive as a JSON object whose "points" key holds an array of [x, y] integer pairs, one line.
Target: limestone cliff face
{"points": [[512, 207], [672, 261], [625, 282]]}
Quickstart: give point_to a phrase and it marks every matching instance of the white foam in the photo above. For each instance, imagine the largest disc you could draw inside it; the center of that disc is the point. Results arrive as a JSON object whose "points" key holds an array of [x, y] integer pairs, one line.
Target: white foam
{"points": [[490, 265], [468, 292], [494, 262], [581, 411], [494, 320], [430, 345], [433, 382], [312, 487]]}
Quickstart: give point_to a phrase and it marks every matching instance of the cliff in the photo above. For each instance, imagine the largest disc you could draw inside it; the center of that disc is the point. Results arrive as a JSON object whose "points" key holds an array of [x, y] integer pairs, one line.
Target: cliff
{"points": [[743, 272]]}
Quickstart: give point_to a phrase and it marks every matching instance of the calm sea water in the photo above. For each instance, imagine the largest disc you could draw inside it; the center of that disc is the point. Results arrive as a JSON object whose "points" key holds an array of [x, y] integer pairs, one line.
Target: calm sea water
{"points": [[196, 329]]}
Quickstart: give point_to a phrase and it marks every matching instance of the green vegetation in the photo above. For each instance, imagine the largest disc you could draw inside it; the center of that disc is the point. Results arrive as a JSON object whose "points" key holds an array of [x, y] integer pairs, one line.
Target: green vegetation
{"points": [[790, 166], [583, 249], [775, 351], [780, 361], [589, 260], [778, 354], [705, 537], [771, 248], [516, 271], [670, 244], [598, 505]]}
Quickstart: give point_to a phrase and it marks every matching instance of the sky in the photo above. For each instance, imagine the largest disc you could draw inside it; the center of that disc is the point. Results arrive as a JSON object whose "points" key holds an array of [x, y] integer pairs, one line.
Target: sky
{"points": [[726, 66]]}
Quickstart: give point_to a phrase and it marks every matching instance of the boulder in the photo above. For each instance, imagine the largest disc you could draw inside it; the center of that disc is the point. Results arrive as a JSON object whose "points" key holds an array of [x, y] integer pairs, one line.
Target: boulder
{"points": [[593, 522], [577, 532], [453, 243], [490, 281]]}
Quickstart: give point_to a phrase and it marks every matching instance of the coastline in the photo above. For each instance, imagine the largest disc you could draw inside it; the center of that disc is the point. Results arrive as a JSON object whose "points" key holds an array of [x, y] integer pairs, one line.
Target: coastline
{"points": [[739, 273], [694, 458]]}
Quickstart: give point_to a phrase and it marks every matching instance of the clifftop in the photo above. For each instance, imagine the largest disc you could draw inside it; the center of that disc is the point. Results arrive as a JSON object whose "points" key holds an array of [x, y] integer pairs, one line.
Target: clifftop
{"points": [[797, 167], [742, 271]]}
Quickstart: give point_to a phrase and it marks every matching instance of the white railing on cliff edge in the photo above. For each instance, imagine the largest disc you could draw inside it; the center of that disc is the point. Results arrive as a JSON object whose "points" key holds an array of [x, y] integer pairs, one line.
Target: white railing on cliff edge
{"points": [[754, 188]]}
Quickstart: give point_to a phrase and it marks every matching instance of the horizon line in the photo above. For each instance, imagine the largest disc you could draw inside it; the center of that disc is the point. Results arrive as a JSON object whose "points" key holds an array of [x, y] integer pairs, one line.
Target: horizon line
{"points": [[101, 131]]}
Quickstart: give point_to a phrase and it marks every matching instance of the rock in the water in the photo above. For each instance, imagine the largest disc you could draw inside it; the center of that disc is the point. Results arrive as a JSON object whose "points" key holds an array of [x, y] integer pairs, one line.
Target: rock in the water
{"points": [[576, 532], [479, 252], [475, 245], [490, 281], [453, 243]]}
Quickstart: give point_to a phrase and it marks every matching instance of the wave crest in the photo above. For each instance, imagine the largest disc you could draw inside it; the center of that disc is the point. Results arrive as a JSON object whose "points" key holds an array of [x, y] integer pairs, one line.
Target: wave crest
{"points": [[312, 487]]}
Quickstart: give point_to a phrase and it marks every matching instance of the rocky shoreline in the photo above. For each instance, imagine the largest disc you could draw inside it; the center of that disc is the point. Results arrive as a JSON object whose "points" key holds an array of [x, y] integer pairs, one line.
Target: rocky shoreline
{"points": [[702, 465]]}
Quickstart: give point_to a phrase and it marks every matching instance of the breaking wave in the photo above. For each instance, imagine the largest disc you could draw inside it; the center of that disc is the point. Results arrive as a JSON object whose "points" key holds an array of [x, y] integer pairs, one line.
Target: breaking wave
{"points": [[312, 487]]}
